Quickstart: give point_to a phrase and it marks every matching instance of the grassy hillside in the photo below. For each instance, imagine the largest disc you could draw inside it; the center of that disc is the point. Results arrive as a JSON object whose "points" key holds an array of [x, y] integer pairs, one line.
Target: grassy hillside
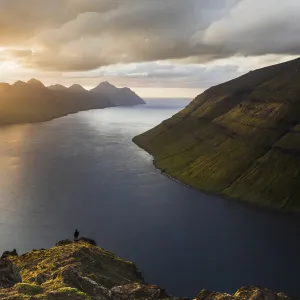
{"points": [[240, 139]]}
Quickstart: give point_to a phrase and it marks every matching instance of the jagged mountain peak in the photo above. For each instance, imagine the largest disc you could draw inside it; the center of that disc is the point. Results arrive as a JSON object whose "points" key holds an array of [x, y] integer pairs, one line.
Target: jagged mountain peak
{"points": [[57, 87], [35, 82], [106, 84], [77, 87], [19, 82]]}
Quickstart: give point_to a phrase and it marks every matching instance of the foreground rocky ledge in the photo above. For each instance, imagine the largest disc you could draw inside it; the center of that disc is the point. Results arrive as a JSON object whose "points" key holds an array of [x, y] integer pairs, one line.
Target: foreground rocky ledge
{"points": [[83, 271]]}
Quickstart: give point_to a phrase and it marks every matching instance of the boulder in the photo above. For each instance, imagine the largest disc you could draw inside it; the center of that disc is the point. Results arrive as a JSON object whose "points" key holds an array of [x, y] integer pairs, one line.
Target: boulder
{"points": [[82, 239], [6, 254], [258, 293], [138, 291], [9, 274], [88, 241], [75, 280], [42, 277], [68, 293], [244, 293], [209, 295], [63, 242]]}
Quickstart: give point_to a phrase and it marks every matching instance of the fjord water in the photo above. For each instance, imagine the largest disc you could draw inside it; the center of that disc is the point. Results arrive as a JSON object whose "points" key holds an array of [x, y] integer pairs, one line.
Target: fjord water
{"points": [[83, 171]]}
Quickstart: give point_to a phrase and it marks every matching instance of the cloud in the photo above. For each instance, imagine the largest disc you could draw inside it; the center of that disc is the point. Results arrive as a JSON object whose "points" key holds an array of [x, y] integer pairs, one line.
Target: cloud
{"points": [[255, 27], [82, 35]]}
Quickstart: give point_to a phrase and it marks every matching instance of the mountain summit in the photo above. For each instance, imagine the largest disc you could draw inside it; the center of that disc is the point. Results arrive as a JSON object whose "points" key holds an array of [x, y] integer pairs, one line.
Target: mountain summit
{"points": [[105, 84], [57, 87], [33, 102], [240, 139], [77, 87], [35, 82], [82, 271], [117, 96]]}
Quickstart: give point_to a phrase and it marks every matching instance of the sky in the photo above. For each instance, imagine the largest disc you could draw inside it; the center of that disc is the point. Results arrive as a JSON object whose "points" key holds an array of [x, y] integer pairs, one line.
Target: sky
{"points": [[159, 48]]}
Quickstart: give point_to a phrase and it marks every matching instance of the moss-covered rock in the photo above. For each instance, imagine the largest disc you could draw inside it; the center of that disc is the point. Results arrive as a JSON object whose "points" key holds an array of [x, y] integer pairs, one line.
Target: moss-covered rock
{"points": [[9, 274], [245, 293], [28, 289], [68, 293], [78, 265], [81, 271]]}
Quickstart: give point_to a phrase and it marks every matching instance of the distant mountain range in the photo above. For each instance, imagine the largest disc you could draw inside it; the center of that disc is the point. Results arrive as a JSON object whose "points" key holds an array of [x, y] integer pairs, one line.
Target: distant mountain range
{"points": [[240, 139], [31, 101]]}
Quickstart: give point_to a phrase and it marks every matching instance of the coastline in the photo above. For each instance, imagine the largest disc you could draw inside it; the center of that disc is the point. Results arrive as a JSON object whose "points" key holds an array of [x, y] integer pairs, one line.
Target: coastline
{"points": [[63, 115], [238, 201]]}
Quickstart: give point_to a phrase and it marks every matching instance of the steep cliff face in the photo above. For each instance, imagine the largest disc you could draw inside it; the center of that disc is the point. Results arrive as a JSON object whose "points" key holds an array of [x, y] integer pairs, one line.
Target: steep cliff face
{"points": [[82, 271], [240, 139]]}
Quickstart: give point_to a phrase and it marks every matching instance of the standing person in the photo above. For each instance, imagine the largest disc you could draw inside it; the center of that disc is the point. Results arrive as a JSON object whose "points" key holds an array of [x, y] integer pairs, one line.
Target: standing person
{"points": [[76, 234]]}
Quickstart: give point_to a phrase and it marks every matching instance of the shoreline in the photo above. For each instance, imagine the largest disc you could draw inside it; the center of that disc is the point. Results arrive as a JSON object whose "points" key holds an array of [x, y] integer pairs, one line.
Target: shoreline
{"points": [[64, 115], [238, 201]]}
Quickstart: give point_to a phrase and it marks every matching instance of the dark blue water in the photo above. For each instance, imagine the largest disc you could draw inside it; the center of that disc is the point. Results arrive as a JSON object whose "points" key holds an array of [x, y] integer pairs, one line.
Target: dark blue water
{"points": [[83, 171]]}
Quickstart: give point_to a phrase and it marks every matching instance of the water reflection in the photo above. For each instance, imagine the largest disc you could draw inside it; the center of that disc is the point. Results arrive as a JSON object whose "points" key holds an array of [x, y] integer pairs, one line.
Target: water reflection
{"points": [[83, 171]]}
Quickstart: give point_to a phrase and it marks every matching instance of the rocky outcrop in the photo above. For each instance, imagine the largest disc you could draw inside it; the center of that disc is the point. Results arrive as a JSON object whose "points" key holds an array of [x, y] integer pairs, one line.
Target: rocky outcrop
{"points": [[89, 241], [82, 239], [63, 242], [139, 291], [9, 274], [245, 293], [72, 278], [82, 271], [6, 254]]}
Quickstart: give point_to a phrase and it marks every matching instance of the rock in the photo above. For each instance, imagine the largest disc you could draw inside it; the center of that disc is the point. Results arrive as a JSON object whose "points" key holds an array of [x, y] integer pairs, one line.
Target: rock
{"points": [[81, 271], [89, 241], [9, 253], [138, 291], [28, 289], [63, 242], [257, 293], [245, 293], [9, 274], [209, 295], [82, 239], [73, 279], [42, 277], [67, 293]]}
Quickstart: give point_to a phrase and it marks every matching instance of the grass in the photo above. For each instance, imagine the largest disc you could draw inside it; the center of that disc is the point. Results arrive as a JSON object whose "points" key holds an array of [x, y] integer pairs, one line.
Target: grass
{"points": [[55, 267], [240, 139]]}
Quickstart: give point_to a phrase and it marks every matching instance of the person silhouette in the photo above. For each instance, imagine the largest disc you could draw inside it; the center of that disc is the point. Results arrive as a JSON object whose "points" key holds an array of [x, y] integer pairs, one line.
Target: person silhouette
{"points": [[76, 234]]}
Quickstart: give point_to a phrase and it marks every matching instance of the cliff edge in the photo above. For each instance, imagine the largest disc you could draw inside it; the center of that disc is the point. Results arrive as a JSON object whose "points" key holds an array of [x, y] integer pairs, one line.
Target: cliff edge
{"points": [[83, 271]]}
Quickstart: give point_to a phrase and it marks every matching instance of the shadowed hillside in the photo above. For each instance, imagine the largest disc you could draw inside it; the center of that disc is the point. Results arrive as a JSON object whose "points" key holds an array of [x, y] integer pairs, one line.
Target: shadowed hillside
{"points": [[117, 96], [240, 139], [33, 102]]}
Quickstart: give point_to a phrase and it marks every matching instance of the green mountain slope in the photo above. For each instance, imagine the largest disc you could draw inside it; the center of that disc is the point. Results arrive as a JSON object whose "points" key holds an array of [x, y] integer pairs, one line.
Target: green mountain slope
{"points": [[240, 139]]}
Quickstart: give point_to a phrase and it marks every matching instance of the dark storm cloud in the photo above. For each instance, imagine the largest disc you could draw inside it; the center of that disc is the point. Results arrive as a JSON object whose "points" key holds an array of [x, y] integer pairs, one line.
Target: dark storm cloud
{"points": [[78, 35]]}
